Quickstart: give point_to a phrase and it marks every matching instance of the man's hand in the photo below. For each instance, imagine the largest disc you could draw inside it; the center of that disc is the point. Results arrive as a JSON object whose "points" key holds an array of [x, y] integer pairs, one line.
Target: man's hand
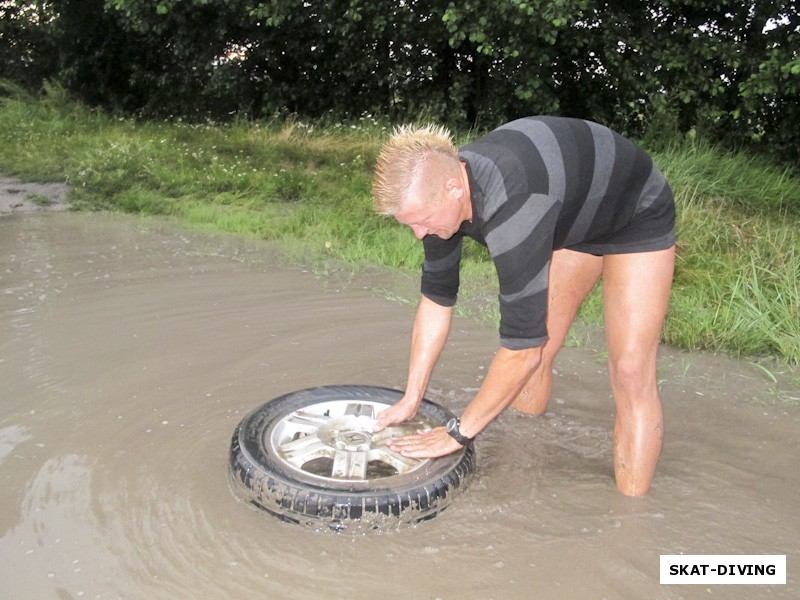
{"points": [[397, 413], [430, 444]]}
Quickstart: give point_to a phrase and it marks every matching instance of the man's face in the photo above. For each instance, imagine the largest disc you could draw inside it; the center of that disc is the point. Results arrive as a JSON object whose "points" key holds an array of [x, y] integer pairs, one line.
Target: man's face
{"points": [[436, 214]]}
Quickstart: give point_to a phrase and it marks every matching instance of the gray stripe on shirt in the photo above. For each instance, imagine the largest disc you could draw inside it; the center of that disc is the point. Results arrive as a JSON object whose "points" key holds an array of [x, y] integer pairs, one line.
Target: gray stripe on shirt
{"points": [[547, 144], [486, 169], [604, 155], [513, 232], [444, 263], [534, 286], [653, 188]]}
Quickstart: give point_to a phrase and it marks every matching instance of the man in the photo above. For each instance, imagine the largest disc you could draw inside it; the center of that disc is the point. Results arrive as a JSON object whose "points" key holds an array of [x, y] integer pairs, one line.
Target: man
{"points": [[558, 202]]}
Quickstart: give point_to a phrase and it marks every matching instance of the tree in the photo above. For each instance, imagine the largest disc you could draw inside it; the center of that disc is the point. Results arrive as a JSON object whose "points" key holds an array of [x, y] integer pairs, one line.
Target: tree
{"points": [[730, 70], [27, 55]]}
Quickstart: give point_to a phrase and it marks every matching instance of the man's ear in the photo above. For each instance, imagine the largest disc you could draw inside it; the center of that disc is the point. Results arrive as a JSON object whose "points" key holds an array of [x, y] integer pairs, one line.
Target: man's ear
{"points": [[455, 190]]}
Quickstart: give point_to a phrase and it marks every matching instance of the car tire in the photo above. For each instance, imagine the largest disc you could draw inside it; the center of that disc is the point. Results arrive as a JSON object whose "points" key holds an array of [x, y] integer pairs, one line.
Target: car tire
{"points": [[310, 456]]}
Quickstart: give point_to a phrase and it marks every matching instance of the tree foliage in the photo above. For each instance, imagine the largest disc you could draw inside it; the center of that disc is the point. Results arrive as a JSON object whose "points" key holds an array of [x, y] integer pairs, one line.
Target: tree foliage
{"points": [[730, 70], [26, 53]]}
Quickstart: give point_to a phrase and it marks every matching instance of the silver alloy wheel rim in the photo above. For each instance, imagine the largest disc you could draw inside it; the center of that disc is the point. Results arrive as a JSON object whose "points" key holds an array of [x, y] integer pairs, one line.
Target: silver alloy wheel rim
{"points": [[333, 441]]}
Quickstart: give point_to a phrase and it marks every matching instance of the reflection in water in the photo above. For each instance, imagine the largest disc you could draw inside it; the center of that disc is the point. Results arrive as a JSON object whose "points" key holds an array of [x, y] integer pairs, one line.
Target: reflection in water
{"points": [[54, 544], [10, 438], [129, 351]]}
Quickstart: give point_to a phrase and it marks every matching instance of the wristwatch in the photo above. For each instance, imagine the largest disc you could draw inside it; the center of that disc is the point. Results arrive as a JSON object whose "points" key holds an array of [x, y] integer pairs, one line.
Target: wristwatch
{"points": [[452, 430]]}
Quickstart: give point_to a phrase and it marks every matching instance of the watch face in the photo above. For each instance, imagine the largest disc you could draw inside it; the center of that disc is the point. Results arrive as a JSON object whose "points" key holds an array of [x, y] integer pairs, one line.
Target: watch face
{"points": [[453, 431]]}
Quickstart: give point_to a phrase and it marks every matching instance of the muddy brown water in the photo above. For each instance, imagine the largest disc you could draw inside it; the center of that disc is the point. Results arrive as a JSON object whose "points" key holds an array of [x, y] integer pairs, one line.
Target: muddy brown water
{"points": [[129, 351]]}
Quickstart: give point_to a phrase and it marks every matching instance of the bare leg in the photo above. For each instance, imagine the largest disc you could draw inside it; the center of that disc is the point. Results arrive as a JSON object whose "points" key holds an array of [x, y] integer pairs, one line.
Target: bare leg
{"points": [[572, 277], [636, 293]]}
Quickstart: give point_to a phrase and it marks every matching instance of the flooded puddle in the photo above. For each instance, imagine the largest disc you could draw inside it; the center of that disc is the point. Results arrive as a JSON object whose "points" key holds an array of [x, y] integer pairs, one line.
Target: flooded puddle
{"points": [[129, 351]]}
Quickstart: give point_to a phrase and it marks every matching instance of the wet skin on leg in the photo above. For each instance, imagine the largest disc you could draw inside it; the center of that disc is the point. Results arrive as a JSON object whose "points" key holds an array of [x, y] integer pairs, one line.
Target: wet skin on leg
{"points": [[572, 277], [636, 293]]}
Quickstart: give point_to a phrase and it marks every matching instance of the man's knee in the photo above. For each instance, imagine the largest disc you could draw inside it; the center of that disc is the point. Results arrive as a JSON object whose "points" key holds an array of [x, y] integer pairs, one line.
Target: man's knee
{"points": [[632, 374]]}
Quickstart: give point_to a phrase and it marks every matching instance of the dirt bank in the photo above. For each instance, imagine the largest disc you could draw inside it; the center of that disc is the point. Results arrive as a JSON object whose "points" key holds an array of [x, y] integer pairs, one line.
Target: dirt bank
{"points": [[19, 197]]}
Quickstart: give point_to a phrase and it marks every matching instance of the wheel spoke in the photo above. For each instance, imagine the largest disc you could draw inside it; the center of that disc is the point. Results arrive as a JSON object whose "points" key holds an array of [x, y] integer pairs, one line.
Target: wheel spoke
{"points": [[308, 420], [300, 451], [400, 430], [409, 427], [357, 409], [349, 465]]}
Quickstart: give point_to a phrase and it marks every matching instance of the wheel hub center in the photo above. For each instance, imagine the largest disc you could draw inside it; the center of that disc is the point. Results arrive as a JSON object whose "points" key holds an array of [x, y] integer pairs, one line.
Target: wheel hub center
{"points": [[353, 441]]}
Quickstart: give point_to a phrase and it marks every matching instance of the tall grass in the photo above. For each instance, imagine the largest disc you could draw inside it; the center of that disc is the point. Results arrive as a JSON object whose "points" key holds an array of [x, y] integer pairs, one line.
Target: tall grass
{"points": [[736, 284]]}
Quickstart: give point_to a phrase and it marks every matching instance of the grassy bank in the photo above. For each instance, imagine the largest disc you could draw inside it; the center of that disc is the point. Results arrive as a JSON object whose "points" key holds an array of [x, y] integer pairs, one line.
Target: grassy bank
{"points": [[736, 285]]}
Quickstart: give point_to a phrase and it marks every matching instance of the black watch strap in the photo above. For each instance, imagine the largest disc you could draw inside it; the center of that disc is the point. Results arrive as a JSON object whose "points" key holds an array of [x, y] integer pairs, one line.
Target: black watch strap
{"points": [[454, 432]]}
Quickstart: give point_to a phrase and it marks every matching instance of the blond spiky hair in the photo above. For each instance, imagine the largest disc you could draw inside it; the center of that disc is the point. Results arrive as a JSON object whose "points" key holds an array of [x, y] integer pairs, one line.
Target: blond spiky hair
{"points": [[400, 160]]}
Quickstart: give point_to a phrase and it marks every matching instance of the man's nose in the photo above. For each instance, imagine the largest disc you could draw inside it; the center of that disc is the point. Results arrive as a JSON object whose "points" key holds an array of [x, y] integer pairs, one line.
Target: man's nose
{"points": [[419, 231]]}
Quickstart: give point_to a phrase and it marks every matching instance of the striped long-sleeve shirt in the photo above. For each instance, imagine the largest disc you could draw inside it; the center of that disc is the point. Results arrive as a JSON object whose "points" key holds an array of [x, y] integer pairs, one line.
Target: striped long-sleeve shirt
{"points": [[539, 184]]}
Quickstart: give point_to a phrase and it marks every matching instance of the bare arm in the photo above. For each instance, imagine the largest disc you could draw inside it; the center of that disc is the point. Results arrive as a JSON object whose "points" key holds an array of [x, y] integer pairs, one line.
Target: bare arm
{"points": [[509, 371], [431, 326]]}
